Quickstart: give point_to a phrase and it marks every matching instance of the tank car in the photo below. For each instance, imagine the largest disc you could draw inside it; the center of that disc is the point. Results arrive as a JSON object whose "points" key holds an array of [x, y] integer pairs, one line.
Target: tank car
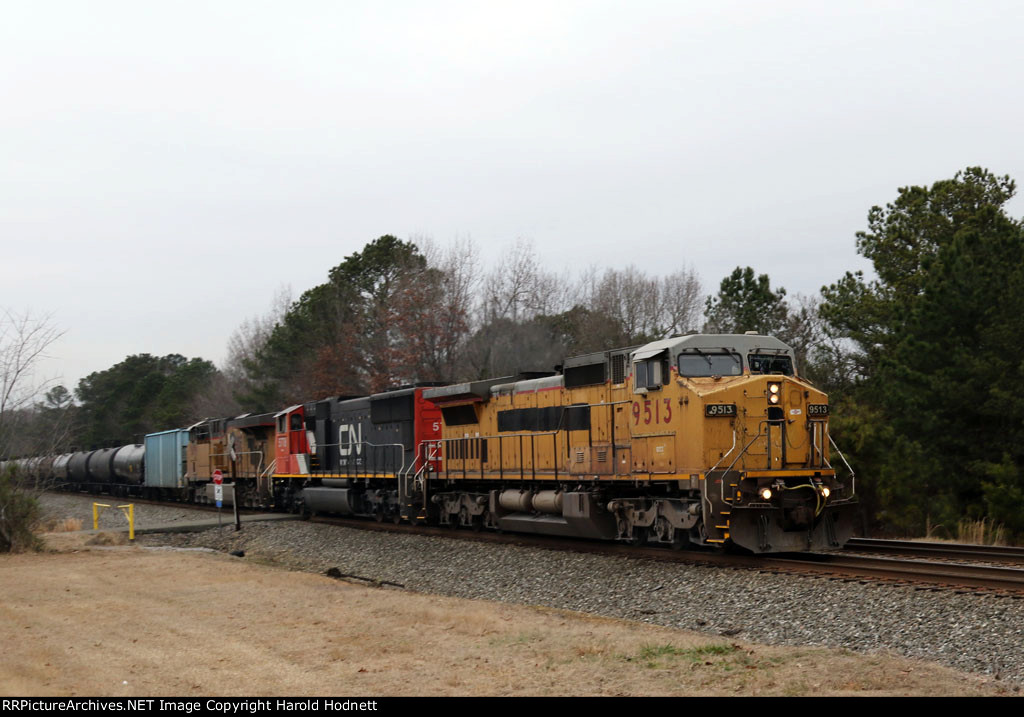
{"points": [[706, 439], [61, 468], [128, 464], [100, 465], [78, 467]]}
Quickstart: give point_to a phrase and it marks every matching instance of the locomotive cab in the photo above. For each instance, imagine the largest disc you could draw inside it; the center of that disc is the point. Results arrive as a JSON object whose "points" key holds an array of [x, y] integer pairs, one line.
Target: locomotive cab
{"points": [[765, 465], [293, 441]]}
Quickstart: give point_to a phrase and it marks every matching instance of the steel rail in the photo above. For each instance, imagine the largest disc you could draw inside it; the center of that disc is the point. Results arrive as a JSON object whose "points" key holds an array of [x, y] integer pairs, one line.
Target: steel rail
{"points": [[952, 551]]}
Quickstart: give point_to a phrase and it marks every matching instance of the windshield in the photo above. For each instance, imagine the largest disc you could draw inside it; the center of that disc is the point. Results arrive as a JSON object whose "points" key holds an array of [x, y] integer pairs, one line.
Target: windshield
{"points": [[709, 364], [770, 363]]}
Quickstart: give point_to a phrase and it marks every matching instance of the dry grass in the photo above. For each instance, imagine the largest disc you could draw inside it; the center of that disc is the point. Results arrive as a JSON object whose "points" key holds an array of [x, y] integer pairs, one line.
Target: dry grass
{"points": [[108, 538], [127, 621], [973, 532], [980, 532], [60, 525]]}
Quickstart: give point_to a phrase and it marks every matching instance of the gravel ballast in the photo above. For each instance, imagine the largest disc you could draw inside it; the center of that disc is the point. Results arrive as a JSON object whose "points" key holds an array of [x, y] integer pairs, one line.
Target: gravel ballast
{"points": [[72, 505], [975, 632]]}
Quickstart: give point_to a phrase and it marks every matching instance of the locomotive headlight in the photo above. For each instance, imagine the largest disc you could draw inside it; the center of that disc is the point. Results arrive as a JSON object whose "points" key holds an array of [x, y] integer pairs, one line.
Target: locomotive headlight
{"points": [[825, 491], [766, 493], [773, 387], [774, 398]]}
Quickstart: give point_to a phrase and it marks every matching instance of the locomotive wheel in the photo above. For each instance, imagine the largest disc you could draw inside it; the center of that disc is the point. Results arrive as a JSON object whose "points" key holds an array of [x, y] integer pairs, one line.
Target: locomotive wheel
{"points": [[680, 540], [639, 536]]}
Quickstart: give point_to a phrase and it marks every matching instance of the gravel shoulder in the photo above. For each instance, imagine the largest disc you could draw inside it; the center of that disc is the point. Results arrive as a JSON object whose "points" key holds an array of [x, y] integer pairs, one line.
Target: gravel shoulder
{"points": [[977, 634]]}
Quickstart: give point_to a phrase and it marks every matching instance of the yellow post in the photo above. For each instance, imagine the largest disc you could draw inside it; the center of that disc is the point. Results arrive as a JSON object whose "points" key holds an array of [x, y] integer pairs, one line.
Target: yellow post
{"points": [[96, 515], [131, 519], [129, 514]]}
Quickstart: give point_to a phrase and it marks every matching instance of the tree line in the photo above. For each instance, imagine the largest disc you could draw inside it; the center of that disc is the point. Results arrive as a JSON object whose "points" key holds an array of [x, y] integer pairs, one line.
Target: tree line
{"points": [[921, 361]]}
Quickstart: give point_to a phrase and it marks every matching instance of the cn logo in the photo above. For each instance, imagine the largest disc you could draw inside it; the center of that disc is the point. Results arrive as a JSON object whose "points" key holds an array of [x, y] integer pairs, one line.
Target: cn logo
{"points": [[350, 438]]}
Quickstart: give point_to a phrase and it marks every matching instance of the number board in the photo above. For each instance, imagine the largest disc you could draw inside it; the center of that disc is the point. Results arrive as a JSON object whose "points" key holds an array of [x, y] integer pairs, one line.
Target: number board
{"points": [[720, 409], [819, 410]]}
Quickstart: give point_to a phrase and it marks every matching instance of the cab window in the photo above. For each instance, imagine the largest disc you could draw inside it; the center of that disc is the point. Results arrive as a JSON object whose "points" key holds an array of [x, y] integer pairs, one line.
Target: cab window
{"points": [[648, 375], [770, 363], [709, 364]]}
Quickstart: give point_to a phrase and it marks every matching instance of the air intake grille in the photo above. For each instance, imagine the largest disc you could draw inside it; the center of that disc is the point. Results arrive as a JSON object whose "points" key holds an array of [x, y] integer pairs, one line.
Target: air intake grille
{"points": [[619, 368]]}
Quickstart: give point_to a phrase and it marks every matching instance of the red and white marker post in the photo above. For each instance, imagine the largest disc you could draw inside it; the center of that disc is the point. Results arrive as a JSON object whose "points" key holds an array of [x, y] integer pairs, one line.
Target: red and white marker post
{"points": [[218, 492]]}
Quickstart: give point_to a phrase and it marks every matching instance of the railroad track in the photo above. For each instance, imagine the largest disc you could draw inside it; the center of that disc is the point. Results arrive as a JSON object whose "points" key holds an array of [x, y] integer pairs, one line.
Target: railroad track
{"points": [[994, 578], [949, 551], [206, 507], [1003, 580], [1008, 580]]}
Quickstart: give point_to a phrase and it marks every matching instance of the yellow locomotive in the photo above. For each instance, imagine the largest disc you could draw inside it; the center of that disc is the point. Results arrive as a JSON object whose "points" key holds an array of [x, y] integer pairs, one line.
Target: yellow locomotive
{"points": [[706, 439]]}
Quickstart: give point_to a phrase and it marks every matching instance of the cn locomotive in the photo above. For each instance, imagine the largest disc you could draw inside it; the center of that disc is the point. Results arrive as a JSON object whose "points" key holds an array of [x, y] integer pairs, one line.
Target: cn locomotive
{"points": [[710, 440]]}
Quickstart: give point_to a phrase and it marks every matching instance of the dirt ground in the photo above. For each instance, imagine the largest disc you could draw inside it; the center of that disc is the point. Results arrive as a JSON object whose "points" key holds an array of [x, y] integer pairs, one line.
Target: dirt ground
{"points": [[128, 621]]}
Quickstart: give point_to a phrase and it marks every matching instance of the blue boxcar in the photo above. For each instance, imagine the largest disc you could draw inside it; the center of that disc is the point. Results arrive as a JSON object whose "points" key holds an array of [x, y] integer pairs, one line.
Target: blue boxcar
{"points": [[165, 459]]}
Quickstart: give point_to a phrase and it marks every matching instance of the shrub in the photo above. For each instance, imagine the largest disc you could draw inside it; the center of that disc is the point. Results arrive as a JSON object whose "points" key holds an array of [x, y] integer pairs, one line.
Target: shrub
{"points": [[19, 514]]}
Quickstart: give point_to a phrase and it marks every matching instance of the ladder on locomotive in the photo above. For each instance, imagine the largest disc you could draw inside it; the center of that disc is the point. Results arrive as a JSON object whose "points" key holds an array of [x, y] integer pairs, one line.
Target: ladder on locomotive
{"points": [[412, 482], [717, 528], [265, 482], [720, 500]]}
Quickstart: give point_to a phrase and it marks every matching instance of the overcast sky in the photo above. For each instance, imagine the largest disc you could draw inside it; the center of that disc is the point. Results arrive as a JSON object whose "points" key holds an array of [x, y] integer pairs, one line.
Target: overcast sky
{"points": [[166, 167]]}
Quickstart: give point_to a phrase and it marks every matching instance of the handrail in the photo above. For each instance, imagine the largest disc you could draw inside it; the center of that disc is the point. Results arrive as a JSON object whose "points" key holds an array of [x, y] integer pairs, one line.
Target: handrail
{"points": [[269, 470], [704, 493], [853, 476], [400, 446], [425, 451]]}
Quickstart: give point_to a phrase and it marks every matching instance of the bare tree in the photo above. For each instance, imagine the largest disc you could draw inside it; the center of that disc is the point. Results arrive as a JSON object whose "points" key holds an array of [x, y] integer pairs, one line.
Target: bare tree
{"points": [[519, 289], [630, 298], [216, 399], [829, 361], [681, 302], [439, 336], [252, 334], [24, 341]]}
